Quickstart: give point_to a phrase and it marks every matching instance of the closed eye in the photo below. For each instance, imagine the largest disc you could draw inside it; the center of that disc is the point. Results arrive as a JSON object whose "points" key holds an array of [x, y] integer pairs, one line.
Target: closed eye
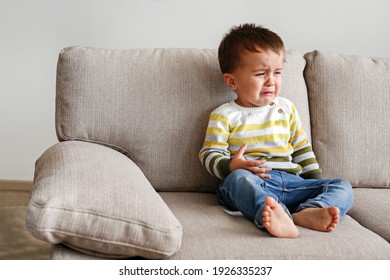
{"points": [[279, 72]]}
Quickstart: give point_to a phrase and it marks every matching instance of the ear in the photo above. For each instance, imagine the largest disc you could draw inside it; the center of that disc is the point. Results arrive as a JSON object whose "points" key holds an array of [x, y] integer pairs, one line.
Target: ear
{"points": [[229, 81]]}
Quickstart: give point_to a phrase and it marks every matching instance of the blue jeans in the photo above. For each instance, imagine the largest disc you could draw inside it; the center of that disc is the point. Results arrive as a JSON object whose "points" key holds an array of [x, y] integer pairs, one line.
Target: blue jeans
{"points": [[245, 192]]}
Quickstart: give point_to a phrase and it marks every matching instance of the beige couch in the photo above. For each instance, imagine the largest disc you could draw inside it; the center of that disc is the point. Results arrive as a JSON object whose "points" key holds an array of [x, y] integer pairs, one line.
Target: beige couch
{"points": [[125, 181]]}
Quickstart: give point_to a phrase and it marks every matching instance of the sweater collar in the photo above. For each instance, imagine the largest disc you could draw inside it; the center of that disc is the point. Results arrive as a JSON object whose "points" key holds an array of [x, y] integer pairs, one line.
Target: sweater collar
{"points": [[255, 109]]}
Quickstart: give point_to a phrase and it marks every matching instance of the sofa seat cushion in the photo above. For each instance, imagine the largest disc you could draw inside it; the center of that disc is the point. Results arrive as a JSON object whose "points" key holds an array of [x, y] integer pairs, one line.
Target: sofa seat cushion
{"points": [[371, 209], [349, 99], [97, 201], [210, 233]]}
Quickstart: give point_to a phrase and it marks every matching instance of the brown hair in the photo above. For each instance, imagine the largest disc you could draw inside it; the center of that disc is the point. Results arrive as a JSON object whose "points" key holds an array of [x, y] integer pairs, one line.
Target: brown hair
{"points": [[249, 37]]}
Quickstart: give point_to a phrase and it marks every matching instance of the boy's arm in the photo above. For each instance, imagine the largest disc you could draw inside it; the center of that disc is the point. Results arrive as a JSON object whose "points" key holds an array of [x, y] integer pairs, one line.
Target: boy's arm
{"points": [[216, 157], [228, 164], [303, 153], [306, 159], [254, 166]]}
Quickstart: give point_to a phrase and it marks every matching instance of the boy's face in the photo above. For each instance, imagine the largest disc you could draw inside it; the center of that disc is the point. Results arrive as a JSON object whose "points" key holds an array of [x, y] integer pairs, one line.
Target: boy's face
{"points": [[257, 79]]}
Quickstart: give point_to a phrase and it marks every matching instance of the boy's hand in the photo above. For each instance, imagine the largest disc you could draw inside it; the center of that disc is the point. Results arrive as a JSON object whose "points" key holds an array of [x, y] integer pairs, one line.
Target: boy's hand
{"points": [[239, 162]]}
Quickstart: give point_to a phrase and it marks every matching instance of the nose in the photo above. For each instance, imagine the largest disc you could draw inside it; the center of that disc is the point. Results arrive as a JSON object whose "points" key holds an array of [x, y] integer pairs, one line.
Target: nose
{"points": [[270, 81]]}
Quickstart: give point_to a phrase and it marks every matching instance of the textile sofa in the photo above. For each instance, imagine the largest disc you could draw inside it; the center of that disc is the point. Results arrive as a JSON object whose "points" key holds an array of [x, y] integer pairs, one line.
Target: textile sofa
{"points": [[125, 180]]}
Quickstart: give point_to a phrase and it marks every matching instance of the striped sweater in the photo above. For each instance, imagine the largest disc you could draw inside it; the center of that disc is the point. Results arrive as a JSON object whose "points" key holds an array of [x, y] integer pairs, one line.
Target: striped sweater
{"points": [[273, 132]]}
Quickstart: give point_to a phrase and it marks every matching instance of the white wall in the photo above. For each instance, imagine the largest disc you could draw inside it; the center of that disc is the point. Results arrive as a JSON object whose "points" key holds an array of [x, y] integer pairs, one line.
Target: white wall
{"points": [[32, 32]]}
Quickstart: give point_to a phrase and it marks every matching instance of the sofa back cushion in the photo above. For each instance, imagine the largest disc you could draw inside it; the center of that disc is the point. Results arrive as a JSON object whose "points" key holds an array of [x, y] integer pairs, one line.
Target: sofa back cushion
{"points": [[349, 101], [152, 105]]}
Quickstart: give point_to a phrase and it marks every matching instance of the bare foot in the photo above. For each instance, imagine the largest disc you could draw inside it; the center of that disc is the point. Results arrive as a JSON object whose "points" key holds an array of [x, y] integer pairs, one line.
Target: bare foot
{"points": [[321, 219], [276, 220]]}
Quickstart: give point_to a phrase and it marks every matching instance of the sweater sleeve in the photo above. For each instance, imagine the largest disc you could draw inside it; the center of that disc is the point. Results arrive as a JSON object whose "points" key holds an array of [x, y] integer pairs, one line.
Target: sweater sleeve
{"points": [[214, 155], [303, 153]]}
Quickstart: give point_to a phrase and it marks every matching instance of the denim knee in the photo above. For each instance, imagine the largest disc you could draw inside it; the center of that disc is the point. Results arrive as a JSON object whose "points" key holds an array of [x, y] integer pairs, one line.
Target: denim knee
{"points": [[335, 192], [242, 191], [238, 175], [227, 190], [343, 195], [346, 194]]}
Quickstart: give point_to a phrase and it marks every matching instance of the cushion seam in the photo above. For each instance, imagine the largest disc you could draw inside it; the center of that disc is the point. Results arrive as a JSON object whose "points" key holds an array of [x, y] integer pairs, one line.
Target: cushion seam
{"points": [[97, 214]]}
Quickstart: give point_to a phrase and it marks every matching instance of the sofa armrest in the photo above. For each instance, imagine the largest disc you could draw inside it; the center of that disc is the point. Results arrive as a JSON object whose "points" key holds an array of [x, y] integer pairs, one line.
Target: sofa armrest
{"points": [[97, 201]]}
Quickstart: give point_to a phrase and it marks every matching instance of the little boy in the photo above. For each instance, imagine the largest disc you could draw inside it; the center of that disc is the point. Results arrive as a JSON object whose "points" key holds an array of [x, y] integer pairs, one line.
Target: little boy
{"points": [[258, 147]]}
